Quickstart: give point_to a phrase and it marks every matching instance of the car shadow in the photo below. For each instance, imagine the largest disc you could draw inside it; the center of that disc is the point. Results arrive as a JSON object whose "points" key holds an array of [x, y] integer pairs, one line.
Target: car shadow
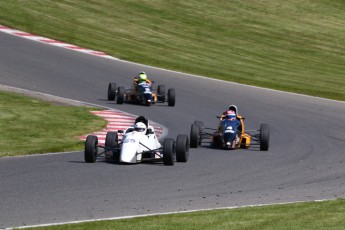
{"points": [[119, 163], [160, 104], [251, 148]]}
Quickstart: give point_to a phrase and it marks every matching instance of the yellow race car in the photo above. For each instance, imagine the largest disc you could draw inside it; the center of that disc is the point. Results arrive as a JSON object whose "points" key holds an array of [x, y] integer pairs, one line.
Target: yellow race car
{"points": [[142, 93], [230, 134]]}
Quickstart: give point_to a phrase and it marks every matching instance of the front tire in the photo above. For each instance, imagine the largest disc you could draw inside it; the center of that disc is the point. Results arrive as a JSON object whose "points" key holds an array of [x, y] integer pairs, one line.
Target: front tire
{"points": [[264, 137], [120, 95], [171, 97], [216, 141], [112, 91], [168, 151], [91, 149], [182, 148]]}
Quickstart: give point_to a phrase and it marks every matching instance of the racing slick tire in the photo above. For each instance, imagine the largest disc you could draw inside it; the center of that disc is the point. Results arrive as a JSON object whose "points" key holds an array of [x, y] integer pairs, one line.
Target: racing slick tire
{"points": [[171, 97], [111, 91], [201, 126], [111, 141], [168, 151], [200, 123], [120, 95], [91, 149], [194, 135], [182, 148], [264, 137], [161, 93], [216, 141]]}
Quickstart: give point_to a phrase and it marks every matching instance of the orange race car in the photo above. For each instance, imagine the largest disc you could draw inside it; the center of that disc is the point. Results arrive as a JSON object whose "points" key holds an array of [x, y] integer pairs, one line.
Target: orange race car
{"points": [[230, 134]]}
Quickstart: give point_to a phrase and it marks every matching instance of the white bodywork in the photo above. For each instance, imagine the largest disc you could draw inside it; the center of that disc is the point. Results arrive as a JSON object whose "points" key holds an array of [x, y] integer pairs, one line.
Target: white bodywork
{"points": [[133, 145]]}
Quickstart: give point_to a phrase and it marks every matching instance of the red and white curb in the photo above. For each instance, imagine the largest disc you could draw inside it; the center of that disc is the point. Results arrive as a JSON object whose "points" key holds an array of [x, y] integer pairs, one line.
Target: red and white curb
{"points": [[49, 41], [118, 120]]}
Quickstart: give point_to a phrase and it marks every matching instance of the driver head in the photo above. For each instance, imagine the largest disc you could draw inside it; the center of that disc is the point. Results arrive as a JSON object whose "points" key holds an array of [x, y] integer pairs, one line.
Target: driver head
{"points": [[140, 127], [142, 119], [234, 108], [142, 76], [231, 115]]}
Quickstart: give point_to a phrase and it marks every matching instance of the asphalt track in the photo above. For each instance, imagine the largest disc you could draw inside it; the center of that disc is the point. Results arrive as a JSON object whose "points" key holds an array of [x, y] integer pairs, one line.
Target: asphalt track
{"points": [[305, 161]]}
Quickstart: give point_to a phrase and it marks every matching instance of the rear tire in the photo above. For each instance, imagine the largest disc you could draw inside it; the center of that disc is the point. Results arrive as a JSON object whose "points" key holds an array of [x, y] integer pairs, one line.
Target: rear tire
{"points": [[171, 97], [112, 91], [161, 93], [182, 148], [91, 149], [120, 95], [194, 135], [168, 151], [264, 137], [111, 141]]}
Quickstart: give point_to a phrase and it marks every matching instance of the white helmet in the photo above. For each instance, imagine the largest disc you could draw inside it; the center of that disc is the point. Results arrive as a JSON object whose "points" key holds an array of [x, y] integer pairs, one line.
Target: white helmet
{"points": [[140, 127]]}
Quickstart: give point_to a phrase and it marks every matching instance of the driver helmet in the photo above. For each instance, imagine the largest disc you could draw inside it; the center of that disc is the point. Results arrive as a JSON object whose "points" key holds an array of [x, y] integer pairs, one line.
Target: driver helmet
{"points": [[234, 108], [140, 127], [230, 114], [142, 119], [142, 76]]}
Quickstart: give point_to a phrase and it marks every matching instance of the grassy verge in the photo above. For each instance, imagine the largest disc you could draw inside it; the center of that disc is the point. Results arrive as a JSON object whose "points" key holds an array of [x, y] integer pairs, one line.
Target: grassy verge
{"points": [[308, 215], [292, 45], [29, 126]]}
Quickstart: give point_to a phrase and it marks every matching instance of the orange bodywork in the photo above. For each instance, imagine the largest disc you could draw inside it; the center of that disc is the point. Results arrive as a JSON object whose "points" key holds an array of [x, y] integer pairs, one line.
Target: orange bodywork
{"points": [[154, 97], [244, 138]]}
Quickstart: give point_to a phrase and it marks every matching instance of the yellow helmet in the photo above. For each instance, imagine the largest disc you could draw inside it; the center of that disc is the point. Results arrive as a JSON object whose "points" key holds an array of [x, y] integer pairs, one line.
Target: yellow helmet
{"points": [[142, 76]]}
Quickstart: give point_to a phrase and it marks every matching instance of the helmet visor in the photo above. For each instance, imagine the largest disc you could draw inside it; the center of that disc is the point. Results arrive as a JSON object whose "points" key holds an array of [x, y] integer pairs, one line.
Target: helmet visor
{"points": [[139, 129]]}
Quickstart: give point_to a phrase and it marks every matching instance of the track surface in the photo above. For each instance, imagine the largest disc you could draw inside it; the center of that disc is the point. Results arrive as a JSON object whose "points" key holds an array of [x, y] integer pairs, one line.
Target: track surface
{"points": [[305, 160]]}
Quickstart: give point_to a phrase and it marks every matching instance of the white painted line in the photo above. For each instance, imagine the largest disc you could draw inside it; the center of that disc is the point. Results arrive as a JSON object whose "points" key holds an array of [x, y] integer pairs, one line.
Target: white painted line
{"points": [[157, 214]]}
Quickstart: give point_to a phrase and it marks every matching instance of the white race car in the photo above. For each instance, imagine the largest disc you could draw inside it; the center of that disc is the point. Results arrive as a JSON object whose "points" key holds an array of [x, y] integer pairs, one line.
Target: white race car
{"points": [[139, 144]]}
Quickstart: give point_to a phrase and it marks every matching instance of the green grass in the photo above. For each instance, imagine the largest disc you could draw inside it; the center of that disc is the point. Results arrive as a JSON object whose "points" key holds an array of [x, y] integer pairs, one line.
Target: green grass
{"points": [[30, 126], [308, 215], [292, 45]]}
